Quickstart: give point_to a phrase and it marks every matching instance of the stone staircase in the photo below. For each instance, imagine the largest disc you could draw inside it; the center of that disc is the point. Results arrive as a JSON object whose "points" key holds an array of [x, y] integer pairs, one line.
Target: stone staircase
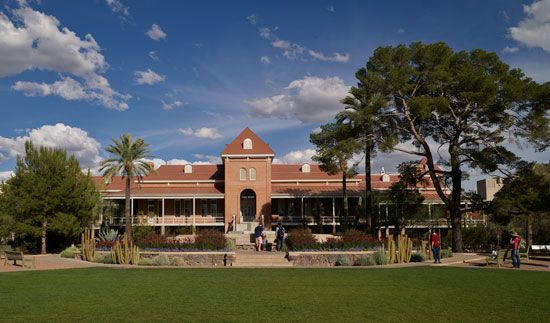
{"points": [[261, 259]]}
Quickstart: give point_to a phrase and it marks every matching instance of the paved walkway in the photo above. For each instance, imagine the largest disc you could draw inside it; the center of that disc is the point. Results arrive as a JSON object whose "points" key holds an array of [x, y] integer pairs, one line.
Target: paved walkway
{"points": [[46, 262]]}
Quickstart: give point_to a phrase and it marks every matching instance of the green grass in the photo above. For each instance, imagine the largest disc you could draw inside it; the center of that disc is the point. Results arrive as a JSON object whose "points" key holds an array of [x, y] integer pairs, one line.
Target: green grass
{"points": [[406, 294]]}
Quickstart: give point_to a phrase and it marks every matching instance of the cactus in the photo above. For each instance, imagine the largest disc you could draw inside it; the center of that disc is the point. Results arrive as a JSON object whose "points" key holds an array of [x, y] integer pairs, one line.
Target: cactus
{"points": [[404, 252], [87, 245], [125, 252], [391, 249]]}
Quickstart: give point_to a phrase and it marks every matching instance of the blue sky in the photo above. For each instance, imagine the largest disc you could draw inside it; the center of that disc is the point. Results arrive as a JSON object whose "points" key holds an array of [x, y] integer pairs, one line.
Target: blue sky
{"points": [[189, 76]]}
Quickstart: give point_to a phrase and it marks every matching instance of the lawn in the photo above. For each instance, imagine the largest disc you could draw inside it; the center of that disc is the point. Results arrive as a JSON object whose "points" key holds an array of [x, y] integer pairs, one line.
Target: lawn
{"points": [[406, 294]]}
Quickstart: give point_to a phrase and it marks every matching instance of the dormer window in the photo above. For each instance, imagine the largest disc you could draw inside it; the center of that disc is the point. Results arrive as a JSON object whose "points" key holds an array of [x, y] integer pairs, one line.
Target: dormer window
{"points": [[242, 174], [306, 168], [188, 169], [385, 178], [247, 143]]}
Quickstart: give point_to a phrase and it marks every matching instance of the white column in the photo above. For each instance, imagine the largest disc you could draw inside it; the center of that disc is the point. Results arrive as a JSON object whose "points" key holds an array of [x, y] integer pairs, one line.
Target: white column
{"points": [[333, 215], [302, 207], [163, 210], [193, 211]]}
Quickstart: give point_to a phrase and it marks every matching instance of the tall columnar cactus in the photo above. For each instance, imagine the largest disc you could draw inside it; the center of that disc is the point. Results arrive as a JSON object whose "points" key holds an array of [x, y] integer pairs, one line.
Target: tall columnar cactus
{"points": [[125, 252], [391, 249], [87, 245], [404, 252]]}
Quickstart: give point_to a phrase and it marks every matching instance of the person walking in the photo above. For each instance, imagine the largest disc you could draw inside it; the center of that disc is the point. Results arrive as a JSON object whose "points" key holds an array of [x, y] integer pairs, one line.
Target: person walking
{"points": [[515, 241], [436, 248], [258, 231], [280, 235]]}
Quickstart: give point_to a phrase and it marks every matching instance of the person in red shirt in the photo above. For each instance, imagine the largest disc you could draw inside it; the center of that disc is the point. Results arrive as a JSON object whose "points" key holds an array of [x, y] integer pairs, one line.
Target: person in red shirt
{"points": [[515, 249], [436, 248]]}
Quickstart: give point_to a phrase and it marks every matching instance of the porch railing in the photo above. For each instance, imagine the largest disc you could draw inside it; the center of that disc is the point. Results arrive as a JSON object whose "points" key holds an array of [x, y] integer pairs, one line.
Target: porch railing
{"points": [[170, 220]]}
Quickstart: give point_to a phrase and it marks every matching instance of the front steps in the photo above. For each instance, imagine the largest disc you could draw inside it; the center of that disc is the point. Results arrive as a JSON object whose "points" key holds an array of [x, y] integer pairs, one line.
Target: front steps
{"points": [[261, 259]]}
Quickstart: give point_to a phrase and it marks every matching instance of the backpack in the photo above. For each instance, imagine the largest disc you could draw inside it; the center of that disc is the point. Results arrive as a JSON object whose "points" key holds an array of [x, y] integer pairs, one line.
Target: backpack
{"points": [[280, 232]]}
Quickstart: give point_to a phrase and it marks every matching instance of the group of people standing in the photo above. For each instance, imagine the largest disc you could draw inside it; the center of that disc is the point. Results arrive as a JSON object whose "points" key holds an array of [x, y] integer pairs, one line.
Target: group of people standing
{"points": [[261, 240]]}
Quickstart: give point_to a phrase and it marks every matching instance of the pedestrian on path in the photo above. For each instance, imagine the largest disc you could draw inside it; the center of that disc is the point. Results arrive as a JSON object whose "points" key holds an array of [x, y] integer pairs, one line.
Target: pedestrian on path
{"points": [[436, 248], [515, 241], [280, 235], [258, 231]]}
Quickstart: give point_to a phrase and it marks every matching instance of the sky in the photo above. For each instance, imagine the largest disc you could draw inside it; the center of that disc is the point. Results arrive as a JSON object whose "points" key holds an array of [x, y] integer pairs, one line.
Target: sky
{"points": [[189, 76]]}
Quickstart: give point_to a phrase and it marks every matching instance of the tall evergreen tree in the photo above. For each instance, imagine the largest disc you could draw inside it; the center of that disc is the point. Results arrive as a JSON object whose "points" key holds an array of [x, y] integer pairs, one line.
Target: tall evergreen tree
{"points": [[364, 111], [127, 160], [335, 147], [466, 103], [48, 189]]}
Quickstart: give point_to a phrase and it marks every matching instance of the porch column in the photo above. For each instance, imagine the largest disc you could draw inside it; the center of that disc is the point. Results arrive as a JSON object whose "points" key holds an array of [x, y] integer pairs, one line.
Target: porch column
{"points": [[387, 225], [302, 207], [333, 215], [162, 228], [193, 212]]}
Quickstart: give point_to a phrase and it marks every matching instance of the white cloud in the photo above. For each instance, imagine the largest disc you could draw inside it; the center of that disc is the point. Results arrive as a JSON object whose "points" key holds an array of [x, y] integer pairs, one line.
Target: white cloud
{"points": [[265, 59], [118, 8], [156, 33], [296, 157], [204, 132], [148, 77], [337, 57], [510, 50], [5, 175], [203, 160], [400, 31], [171, 106], [67, 88], [74, 140], [210, 159], [154, 56], [294, 51], [534, 30], [33, 40], [311, 99], [331, 9], [252, 19]]}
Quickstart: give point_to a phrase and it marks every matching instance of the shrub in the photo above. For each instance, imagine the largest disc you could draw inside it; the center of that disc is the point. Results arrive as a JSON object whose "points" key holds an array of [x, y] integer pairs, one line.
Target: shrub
{"points": [[176, 261], [480, 237], [343, 260], [231, 244], [139, 232], [69, 252], [104, 245], [446, 253], [146, 262], [210, 240], [102, 258], [161, 260], [380, 258], [159, 242], [107, 234], [301, 239], [417, 257], [351, 240], [365, 261]]}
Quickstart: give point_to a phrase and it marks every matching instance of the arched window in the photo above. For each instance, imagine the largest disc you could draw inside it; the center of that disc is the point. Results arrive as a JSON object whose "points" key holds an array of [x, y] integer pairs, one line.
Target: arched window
{"points": [[385, 178], [252, 174], [247, 143], [242, 174], [188, 169], [306, 168]]}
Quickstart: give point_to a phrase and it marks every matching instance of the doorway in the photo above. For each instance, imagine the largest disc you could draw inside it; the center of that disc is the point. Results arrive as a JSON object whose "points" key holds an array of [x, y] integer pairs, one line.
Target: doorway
{"points": [[248, 205]]}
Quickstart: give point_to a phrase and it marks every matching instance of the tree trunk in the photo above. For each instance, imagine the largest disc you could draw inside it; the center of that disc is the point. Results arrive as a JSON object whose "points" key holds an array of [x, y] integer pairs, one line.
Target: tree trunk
{"points": [[345, 201], [44, 227], [529, 232], [455, 212], [368, 187], [127, 209]]}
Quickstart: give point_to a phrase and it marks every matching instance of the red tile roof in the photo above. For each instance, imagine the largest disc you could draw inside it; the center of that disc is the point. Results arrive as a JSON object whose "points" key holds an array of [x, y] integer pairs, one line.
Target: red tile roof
{"points": [[258, 145], [199, 172]]}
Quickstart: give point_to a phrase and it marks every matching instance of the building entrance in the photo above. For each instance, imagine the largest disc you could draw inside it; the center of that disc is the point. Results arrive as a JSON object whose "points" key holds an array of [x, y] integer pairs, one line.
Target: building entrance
{"points": [[248, 205]]}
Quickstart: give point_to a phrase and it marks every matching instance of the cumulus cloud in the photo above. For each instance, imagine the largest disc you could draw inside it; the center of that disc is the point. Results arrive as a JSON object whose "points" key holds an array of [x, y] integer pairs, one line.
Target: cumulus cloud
{"points": [[148, 77], [265, 59], [331, 9], [252, 19], [204, 132], [510, 50], [74, 140], [119, 9], [201, 160], [310, 99], [337, 57], [171, 106], [211, 159], [156, 33], [294, 51], [154, 56], [401, 31], [33, 40], [534, 30], [296, 157]]}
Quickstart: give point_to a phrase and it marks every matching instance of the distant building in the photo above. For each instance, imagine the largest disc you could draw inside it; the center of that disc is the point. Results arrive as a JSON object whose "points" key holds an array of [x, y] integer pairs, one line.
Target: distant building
{"points": [[487, 188]]}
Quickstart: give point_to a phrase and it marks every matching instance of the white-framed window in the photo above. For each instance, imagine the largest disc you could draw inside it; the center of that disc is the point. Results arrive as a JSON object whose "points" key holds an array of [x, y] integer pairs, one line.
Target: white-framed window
{"points": [[306, 168], [188, 169], [252, 174], [187, 207], [247, 143], [242, 174]]}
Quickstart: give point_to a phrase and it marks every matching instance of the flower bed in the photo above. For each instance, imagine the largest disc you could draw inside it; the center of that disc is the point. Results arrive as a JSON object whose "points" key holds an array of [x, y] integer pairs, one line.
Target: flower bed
{"points": [[331, 258], [352, 240]]}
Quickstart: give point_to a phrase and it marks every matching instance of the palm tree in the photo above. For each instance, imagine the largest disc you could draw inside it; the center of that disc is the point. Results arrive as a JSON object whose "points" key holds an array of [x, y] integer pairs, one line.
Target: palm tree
{"points": [[127, 159], [364, 111]]}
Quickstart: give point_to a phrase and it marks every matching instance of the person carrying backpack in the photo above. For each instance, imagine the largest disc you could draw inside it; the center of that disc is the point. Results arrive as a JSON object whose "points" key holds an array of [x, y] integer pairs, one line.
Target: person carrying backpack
{"points": [[280, 235]]}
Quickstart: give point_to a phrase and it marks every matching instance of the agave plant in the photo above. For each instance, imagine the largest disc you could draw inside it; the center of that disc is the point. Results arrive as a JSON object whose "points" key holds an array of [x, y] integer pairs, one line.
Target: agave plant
{"points": [[107, 234]]}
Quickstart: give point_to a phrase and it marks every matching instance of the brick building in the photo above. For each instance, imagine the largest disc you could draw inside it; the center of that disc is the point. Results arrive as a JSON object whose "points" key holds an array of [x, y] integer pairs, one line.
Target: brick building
{"points": [[247, 187]]}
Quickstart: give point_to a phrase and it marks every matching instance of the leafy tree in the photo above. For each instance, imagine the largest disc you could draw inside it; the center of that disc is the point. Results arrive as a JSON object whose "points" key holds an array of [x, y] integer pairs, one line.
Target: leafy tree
{"points": [[364, 111], [47, 191], [464, 103], [525, 195], [335, 148], [127, 159]]}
